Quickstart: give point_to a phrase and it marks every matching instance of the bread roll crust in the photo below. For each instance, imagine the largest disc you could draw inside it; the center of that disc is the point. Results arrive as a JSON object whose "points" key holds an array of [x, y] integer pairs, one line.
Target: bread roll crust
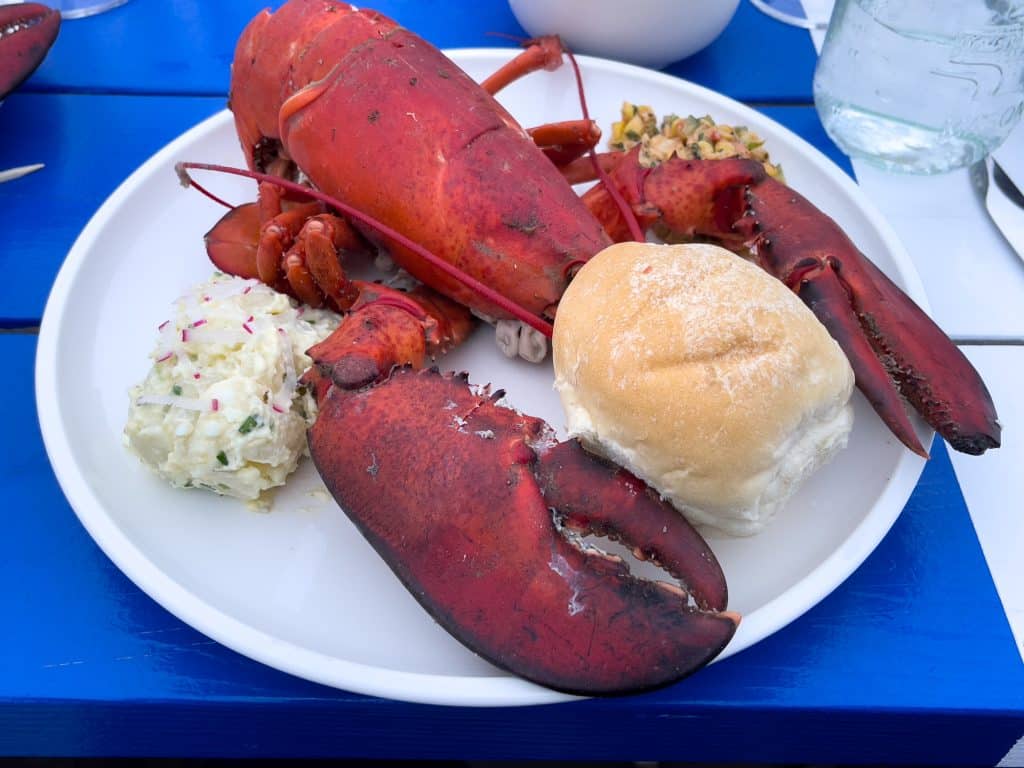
{"points": [[704, 375]]}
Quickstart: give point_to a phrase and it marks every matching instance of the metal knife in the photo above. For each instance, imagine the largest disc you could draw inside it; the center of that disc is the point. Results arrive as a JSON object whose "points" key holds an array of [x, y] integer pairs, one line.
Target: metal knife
{"points": [[1004, 202]]}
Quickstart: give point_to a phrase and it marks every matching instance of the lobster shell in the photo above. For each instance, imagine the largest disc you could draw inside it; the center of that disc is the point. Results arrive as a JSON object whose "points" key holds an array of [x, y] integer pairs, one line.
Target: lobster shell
{"points": [[27, 31]]}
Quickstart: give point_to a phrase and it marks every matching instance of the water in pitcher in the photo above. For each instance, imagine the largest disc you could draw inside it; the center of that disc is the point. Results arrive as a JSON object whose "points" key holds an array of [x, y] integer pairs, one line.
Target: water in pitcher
{"points": [[921, 85]]}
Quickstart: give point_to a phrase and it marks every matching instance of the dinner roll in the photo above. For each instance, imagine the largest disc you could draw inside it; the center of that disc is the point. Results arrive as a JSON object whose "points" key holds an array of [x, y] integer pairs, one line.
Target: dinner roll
{"points": [[704, 376]]}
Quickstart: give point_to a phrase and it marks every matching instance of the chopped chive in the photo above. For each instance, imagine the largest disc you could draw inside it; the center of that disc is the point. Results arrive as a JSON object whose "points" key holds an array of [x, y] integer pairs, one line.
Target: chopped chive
{"points": [[248, 425], [222, 458], [176, 389]]}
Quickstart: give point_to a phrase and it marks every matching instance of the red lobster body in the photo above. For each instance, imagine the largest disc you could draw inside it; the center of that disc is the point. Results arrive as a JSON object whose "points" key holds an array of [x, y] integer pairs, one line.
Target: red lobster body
{"points": [[476, 190], [454, 491]]}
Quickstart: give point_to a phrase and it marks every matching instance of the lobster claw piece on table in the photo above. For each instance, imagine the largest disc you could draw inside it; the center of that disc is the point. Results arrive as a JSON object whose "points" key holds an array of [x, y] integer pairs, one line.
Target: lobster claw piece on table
{"points": [[27, 30], [476, 508]]}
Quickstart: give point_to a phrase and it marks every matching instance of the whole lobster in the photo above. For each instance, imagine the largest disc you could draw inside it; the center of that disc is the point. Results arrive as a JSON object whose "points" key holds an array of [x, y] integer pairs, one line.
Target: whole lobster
{"points": [[453, 490]]}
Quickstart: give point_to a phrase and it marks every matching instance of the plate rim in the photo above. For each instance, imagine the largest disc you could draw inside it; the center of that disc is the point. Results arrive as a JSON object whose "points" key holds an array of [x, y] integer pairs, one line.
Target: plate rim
{"points": [[429, 688]]}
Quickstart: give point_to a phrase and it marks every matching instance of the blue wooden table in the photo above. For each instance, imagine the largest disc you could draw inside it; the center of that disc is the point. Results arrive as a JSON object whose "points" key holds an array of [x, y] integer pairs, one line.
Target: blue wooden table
{"points": [[911, 660]]}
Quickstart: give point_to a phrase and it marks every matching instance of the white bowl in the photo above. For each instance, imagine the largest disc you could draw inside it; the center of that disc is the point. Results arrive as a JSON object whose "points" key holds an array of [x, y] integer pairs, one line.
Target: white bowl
{"points": [[651, 33]]}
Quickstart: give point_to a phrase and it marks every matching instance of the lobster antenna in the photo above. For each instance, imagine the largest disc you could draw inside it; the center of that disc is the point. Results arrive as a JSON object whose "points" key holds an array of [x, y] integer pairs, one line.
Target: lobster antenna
{"points": [[188, 181], [634, 227], [518, 39], [485, 292]]}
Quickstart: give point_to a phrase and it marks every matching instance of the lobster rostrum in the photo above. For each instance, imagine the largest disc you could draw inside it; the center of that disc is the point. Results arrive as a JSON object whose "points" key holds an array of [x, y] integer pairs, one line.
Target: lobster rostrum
{"points": [[423, 162]]}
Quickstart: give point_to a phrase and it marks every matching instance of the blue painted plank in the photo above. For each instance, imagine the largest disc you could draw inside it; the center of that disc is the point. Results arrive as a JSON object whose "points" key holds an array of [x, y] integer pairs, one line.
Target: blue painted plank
{"points": [[911, 660], [186, 47], [804, 122], [45, 211], [89, 145], [372, 729]]}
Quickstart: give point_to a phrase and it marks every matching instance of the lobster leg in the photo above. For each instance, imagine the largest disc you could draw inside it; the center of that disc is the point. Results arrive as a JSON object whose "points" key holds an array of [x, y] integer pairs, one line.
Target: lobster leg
{"points": [[316, 256], [277, 234], [566, 141], [305, 243], [582, 170], [453, 491], [298, 251], [542, 53]]}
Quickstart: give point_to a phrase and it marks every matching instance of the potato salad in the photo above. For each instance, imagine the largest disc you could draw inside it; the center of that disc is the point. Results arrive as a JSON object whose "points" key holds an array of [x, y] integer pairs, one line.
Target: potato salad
{"points": [[221, 408]]}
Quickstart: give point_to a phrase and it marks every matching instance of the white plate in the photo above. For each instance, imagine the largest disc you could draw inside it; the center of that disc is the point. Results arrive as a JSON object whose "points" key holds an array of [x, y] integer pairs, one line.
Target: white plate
{"points": [[298, 588]]}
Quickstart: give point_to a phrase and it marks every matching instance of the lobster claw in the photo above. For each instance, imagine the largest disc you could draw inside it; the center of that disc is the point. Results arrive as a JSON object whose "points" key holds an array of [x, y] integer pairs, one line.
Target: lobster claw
{"points": [[27, 31], [456, 493], [896, 350], [893, 346]]}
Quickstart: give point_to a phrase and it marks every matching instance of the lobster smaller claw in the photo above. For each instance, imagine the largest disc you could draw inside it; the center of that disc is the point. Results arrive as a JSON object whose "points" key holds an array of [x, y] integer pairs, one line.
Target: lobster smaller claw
{"points": [[896, 350], [27, 31]]}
